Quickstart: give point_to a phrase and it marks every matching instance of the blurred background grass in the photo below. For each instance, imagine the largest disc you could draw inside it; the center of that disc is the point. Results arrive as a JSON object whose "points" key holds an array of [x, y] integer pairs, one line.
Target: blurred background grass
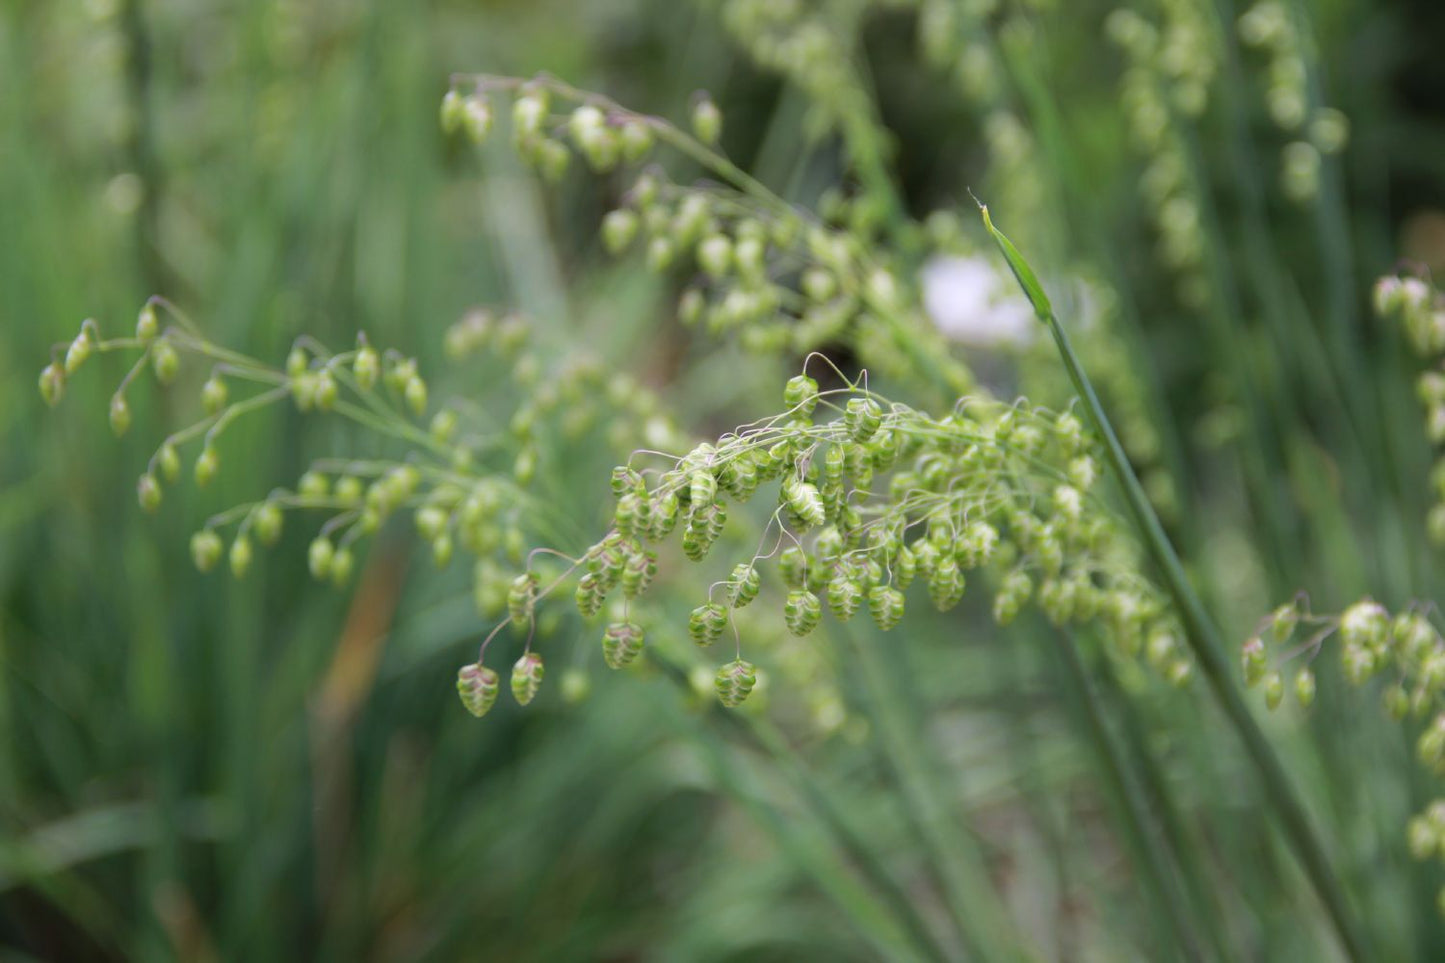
{"points": [[202, 769]]}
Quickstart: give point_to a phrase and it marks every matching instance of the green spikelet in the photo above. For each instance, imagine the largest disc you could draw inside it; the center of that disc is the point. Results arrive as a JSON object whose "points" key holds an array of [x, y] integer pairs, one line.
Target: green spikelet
{"points": [[801, 393], [625, 479], [805, 502], [520, 598], [527, 677], [703, 529], [631, 513], [706, 623], [863, 418], [477, 685], [590, 595], [621, 644], [735, 682], [744, 585], [793, 566], [1304, 688], [638, 573], [1016, 589], [1273, 691], [844, 596], [885, 604], [702, 488], [663, 516], [802, 611], [833, 466], [905, 567], [945, 584]]}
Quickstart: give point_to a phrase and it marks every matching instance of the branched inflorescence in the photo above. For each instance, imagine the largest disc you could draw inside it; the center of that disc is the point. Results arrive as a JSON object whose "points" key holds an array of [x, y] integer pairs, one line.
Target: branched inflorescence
{"points": [[770, 275], [1415, 305], [1171, 66], [465, 489], [1272, 28], [381, 392], [868, 495], [1405, 648]]}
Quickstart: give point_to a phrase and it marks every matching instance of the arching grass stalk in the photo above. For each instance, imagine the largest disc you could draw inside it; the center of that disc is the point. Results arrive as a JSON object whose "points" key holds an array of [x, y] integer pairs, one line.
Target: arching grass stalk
{"points": [[1200, 632]]}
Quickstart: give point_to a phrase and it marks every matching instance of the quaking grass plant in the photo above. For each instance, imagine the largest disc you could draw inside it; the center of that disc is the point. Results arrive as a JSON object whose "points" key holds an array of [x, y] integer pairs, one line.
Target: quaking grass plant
{"points": [[840, 498]]}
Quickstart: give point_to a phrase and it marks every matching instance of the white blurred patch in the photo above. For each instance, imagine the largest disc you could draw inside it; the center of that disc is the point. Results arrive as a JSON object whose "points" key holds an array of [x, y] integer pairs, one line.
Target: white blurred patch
{"points": [[124, 193], [973, 302]]}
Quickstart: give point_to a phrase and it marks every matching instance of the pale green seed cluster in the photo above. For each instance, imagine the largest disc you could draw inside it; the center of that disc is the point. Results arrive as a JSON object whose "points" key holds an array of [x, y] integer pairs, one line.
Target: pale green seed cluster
{"points": [[1265, 665], [735, 682], [872, 499], [1271, 28], [812, 46], [1416, 306], [380, 392], [771, 276], [1001, 490], [593, 129], [1167, 81], [955, 38], [477, 686], [464, 490], [1404, 649], [966, 43], [1187, 56]]}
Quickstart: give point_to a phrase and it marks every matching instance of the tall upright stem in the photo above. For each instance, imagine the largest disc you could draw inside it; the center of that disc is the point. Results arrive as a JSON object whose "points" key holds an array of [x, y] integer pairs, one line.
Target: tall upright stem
{"points": [[1199, 630]]}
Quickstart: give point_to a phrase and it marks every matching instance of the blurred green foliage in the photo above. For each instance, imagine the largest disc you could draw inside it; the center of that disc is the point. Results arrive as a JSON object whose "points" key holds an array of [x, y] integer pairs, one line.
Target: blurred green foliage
{"points": [[201, 770]]}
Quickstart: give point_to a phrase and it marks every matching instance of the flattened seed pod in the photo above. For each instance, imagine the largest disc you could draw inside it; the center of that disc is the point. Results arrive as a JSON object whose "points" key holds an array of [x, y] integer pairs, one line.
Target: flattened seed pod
{"points": [[206, 550], [740, 477], [702, 488], [793, 566], [521, 597], [706, 623], [715, 517], [629, 515], [863, 418], [703, 529], [833, 466], [638, 573], [844, 595], [745, 583], [663, 516], [805, 501], [885, 604], [527, 677], [945, 584], [621, 644], [1304, 688], [802, 611], [477, 686], [801, 393], [829, 545], [905, 567], [859, 465], [590, 594], [695, 541], [1016, 589], [735, 682]]}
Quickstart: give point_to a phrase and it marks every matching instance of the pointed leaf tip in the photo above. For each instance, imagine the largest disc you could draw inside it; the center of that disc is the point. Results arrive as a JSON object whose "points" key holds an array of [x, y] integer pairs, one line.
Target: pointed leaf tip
{"points": [[1020, 268]]}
